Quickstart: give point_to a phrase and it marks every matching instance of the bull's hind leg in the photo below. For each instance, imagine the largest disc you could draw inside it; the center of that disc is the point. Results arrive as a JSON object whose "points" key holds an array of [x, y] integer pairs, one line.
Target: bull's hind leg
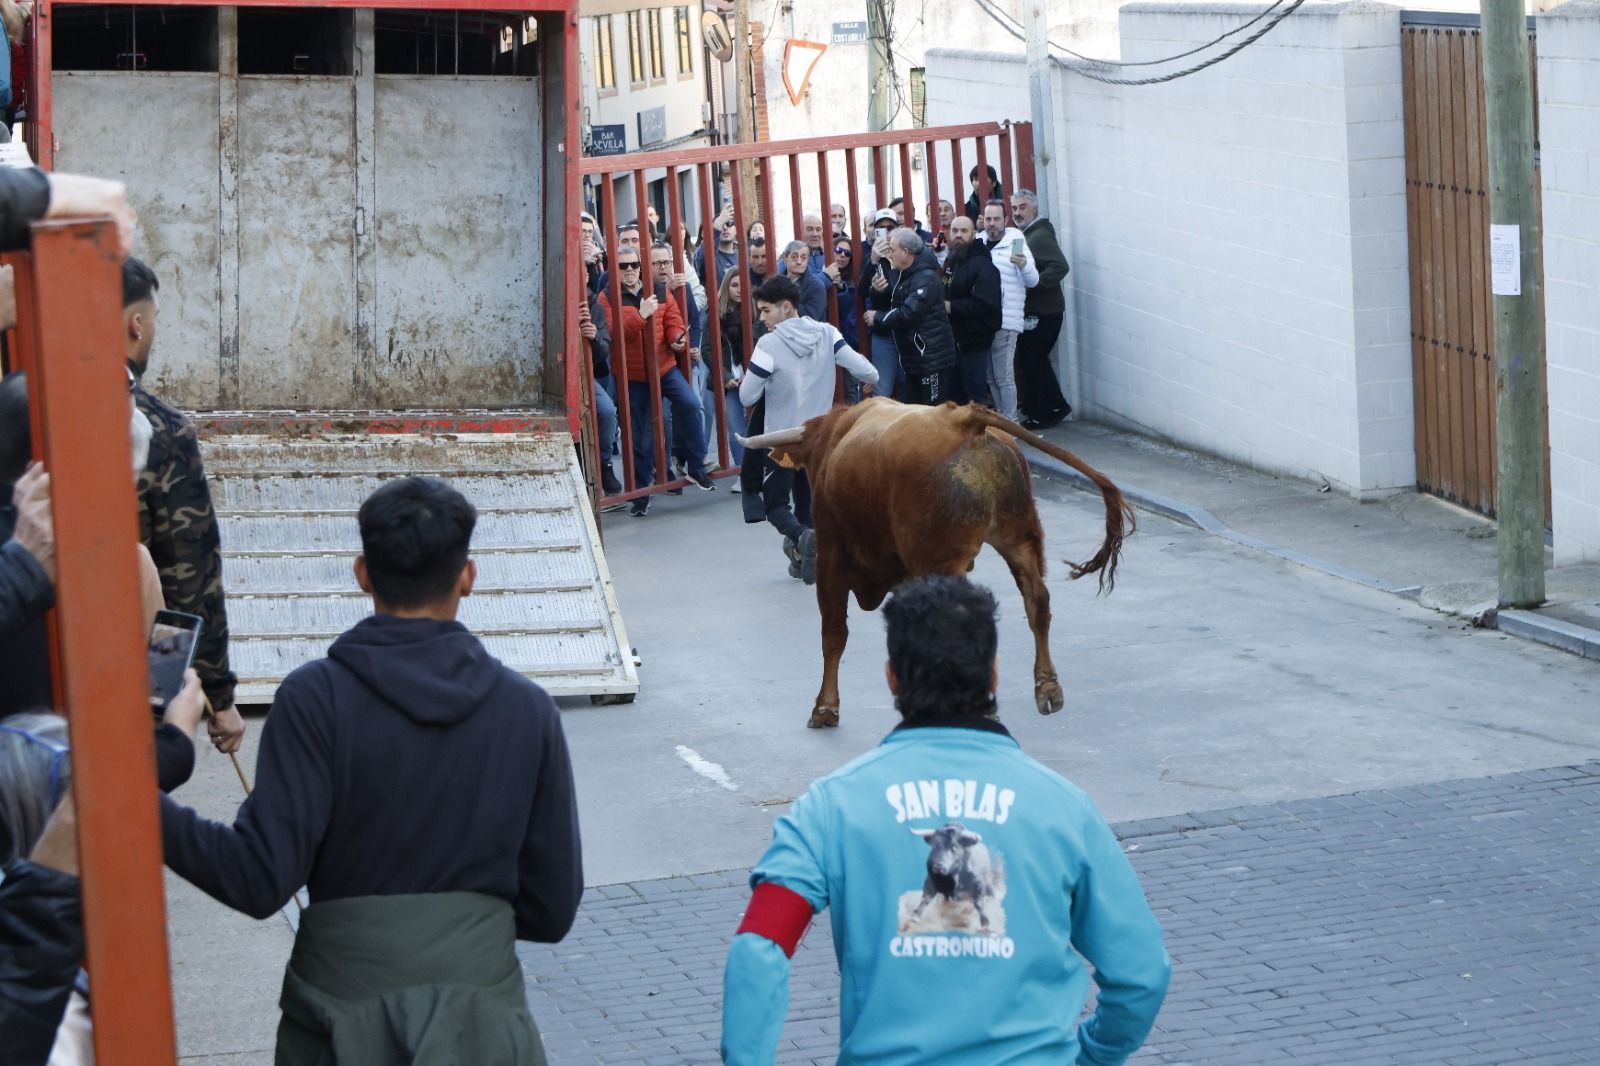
{"points": [[1026, 560], [833, 599]]}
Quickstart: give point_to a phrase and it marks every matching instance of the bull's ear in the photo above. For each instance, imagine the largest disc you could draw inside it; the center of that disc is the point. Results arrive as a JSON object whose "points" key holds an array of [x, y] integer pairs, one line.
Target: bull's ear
{"points": [[969, 838], [923, 833], [783, 456]]}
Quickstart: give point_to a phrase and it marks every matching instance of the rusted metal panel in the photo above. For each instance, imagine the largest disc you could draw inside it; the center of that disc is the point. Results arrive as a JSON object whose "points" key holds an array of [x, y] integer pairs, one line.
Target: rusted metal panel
{"points": [[543, 603], [460, 265], [173, 182], [296, 242]]}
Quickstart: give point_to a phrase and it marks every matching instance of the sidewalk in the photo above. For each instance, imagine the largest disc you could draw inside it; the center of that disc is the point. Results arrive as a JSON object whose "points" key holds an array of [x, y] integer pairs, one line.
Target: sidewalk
{"points": [[1410, 544]]}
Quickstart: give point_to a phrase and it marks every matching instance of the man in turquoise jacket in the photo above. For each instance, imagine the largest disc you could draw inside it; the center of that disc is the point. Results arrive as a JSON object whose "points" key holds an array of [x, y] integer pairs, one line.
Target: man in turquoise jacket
{"points": [[968, 883]]}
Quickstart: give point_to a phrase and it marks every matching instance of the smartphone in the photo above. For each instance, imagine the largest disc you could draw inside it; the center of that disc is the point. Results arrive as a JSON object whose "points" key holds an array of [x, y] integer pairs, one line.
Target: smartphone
{"points": [[172, 640], [1016, 246]]}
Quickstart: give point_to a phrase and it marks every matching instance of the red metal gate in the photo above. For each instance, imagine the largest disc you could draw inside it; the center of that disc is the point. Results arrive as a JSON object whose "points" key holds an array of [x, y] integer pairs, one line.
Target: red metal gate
{"points": [[1006, 146]]}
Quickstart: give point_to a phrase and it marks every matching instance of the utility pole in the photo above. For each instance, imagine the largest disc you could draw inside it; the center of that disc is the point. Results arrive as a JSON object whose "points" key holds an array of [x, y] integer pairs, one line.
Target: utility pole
{"points": [[1518, 328], [744, 84], [1041, 100], [1047, 179], [879, 71]]}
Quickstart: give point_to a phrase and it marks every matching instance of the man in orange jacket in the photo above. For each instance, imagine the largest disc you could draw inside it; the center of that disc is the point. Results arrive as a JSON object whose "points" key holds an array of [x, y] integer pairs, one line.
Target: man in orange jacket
{"points": [[655, 353]]}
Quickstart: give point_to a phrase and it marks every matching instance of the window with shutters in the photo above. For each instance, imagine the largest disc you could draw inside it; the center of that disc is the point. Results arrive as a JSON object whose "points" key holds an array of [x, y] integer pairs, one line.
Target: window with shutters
{"points": [[605, 69], [658, 66], [681, 24], [635, 48]]}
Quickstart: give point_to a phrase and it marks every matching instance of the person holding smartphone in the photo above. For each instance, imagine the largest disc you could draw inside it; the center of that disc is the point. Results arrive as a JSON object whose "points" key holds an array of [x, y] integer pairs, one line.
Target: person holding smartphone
{"points": [[876, 285], [1018, 273], [651, 324], [917, 320]]}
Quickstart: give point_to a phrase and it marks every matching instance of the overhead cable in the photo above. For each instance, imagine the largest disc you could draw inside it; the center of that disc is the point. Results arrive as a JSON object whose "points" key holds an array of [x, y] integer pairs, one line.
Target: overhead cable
{"points": [[1084, 66]]}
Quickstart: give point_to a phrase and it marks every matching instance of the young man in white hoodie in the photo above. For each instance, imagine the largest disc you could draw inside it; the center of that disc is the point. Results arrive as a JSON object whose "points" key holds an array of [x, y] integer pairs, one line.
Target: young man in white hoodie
{"points": [[1018, 273], [793, 368]]}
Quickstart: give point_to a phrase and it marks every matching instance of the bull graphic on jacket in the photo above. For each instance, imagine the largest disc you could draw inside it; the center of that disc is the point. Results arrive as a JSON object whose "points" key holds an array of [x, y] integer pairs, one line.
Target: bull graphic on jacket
{"points": [[969, 888], [959, 869]]}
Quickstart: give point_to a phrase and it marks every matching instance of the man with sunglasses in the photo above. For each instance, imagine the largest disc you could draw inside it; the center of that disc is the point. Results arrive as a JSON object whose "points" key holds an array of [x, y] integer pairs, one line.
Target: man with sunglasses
{"points": [[652, 332]]}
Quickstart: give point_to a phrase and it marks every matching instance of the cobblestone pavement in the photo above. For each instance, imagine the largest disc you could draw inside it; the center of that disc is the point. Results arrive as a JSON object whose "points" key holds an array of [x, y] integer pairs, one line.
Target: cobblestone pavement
{"points": [[1449, 924]]}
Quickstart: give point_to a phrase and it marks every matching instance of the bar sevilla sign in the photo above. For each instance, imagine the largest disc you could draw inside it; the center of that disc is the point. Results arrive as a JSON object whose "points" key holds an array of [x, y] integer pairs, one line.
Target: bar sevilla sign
{"points": [[800, 57], [608, 140]]}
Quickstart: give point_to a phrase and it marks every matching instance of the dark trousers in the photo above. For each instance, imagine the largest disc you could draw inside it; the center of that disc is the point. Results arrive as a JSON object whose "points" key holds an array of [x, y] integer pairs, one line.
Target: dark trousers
{"points": [[786, 493], [685, 405], [971, 384], [1038, 391], [930, 389]]}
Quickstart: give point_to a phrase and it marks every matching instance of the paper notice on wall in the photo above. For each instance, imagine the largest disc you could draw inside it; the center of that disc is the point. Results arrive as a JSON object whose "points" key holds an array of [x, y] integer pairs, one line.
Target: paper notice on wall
{"points": [[1505, 260]]}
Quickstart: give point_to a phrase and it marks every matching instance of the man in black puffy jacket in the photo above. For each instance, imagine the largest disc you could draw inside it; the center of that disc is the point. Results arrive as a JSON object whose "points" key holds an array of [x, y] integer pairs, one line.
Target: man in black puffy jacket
{"points": [[972, 298], [918, 320]]}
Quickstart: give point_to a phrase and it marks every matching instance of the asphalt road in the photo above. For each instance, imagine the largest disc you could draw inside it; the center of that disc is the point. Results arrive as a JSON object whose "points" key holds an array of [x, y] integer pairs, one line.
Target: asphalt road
{"points": [[1213, 678]]}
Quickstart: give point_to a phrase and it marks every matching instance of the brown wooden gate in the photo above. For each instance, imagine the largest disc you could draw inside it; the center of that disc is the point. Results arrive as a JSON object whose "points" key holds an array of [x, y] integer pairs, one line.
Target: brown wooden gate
{"points": [[1452, 323]]}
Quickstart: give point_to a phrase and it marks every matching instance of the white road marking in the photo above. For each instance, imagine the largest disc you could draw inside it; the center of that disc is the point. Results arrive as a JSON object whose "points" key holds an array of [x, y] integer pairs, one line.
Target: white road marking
{"points": [[706, 769]]}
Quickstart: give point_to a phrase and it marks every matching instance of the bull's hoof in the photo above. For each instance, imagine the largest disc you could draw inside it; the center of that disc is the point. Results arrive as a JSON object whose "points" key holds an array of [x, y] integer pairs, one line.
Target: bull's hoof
{"points": [[824, 718], [1048, 696]]}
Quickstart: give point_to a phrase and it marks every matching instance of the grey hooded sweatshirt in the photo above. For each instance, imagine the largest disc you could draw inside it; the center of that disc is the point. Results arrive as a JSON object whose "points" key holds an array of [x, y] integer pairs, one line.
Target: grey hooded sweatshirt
{"points": [[792, 366]]}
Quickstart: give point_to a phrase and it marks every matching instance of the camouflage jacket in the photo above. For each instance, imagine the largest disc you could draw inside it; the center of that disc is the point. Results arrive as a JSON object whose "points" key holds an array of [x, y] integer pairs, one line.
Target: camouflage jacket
{"points": [[179, 527]]}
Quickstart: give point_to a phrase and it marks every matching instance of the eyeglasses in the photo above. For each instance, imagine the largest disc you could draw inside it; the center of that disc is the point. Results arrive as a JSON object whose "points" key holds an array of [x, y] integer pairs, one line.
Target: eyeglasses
{"points": [[628, 266], [58, 755], [842, 251]]}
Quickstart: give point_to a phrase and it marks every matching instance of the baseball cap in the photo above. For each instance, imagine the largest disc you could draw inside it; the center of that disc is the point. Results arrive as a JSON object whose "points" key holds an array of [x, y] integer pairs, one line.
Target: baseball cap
{"points": [[885, 214]]}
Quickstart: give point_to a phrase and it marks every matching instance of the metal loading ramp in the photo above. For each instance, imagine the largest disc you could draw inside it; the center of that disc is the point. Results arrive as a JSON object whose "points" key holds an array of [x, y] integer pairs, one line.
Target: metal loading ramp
{"points": [[543, 603]]}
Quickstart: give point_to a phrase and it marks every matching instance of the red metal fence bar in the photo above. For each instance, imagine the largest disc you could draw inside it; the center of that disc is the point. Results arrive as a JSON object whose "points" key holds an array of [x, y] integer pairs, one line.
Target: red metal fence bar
{"points": [[713, 327], [774, 162], [80, 390], [931, 164], [1006, 183], [984, 190]]}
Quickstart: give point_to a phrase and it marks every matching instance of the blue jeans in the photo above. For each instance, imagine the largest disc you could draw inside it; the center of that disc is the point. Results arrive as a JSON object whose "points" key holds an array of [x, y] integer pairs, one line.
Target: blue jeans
{"points": [[686, 422], [605, 412], [886, 359], [676, 448]]}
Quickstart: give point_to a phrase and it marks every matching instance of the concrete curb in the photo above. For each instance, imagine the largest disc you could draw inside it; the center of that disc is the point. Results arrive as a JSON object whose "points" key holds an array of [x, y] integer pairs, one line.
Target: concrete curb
{"points": [[1529, 625], [1552, 631]]}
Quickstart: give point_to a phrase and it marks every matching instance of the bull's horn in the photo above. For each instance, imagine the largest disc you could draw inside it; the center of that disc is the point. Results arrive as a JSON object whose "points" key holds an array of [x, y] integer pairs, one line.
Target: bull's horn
{"points": [[774, 440]]}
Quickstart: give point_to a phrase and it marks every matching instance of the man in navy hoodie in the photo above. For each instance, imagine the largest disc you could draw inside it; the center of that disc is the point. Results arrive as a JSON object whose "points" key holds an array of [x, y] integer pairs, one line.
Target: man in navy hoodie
{"points": [[423, 793]]}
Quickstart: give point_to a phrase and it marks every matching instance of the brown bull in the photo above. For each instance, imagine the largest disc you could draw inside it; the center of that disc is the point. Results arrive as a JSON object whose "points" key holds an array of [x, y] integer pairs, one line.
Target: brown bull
{"points": [[901, 491]]}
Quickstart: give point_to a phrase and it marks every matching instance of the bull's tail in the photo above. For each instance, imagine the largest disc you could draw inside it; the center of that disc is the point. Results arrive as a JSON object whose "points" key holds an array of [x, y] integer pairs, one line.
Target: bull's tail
{"points": [[1120, 519]]}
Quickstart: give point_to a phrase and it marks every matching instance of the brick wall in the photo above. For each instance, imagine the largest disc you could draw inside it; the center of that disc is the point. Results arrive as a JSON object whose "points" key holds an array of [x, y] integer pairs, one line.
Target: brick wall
{"points": [[1238, 237], [1569, 121]]}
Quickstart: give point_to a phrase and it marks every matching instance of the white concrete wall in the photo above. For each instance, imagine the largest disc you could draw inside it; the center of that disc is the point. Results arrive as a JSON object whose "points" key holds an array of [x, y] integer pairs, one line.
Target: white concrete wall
{"points": [[836, 100], [1238, 238], [679, 92], [1569, 134]]}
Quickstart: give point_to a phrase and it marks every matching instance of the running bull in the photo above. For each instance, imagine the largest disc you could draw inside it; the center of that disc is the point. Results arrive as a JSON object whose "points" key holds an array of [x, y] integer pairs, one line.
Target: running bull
{"points": [[902, 491]]}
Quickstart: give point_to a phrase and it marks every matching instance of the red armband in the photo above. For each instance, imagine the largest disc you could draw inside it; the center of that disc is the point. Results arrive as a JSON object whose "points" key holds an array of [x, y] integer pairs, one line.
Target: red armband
{"points": [[777, 914]]}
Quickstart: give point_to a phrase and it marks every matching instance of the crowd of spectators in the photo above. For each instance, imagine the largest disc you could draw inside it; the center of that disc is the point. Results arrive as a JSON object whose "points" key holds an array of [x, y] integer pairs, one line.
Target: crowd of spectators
{"points": [[969, 312]]}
